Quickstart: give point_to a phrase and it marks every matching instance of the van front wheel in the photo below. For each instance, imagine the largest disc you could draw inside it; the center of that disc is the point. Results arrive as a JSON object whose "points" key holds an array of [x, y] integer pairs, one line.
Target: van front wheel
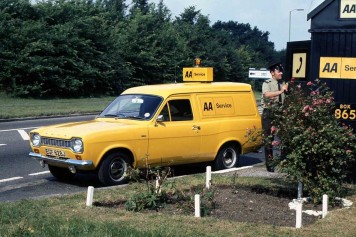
{"points": [[227, 158], [60, 173], [114, 168]]}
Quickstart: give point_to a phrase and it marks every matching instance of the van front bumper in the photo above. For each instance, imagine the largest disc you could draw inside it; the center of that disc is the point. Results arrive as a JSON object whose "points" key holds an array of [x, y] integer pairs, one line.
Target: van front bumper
{"points": [[62, 162]]}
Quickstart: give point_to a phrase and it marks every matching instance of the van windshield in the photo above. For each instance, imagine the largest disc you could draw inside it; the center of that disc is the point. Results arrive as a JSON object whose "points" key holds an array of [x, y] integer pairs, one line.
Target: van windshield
{"points": [[141, 107]]}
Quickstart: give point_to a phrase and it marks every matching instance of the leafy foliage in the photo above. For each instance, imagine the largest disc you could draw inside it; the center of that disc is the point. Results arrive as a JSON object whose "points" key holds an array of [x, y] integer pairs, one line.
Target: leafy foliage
{"points": [[159, 194], [315, 149], [81, 48]]}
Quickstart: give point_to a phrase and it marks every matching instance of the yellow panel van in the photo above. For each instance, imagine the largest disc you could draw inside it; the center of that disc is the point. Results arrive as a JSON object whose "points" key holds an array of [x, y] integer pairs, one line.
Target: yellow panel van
{"points": [[154, 125]]}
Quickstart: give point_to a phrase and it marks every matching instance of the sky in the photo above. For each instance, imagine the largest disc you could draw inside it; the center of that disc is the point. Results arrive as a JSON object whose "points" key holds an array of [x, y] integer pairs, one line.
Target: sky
{"points": [[267, 15]]}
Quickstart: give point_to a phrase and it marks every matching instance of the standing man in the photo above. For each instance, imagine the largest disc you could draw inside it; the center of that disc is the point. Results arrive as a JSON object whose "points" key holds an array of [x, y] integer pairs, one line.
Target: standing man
{"points": [[273, 92]]}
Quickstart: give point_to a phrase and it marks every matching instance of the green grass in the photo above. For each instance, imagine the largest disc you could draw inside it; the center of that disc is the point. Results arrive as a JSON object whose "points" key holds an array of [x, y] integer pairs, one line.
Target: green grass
{"points": [[68, 216], [19, 108]]}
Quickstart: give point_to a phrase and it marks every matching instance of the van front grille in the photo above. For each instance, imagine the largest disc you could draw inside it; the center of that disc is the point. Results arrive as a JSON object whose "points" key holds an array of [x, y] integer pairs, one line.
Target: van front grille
{"points": [[47, 141]]}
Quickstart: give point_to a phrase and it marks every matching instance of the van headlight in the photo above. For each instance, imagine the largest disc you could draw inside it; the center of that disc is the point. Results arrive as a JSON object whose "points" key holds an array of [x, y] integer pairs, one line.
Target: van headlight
{"points": [[36, 139], [77, 145]]}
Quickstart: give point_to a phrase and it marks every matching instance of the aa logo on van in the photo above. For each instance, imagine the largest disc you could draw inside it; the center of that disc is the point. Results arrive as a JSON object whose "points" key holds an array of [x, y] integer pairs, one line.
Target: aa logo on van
{"points": [[212, 106], [208, 106]]}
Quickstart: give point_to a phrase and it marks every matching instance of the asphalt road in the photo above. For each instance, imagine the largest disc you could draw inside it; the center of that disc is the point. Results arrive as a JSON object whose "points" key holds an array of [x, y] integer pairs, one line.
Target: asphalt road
{"points": [[22, 177]]}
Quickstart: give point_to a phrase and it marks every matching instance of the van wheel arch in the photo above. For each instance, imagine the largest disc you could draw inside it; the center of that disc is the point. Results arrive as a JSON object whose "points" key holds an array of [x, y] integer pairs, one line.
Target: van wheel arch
{"points": [[228, 156], [110, 165]]}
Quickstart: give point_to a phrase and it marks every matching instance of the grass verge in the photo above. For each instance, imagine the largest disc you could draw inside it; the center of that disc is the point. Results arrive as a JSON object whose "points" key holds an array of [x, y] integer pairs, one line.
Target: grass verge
{"points": [[19, 107], [68, 216]]}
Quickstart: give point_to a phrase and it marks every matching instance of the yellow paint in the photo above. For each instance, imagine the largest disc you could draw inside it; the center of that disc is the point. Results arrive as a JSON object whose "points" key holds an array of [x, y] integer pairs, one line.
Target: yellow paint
{"points": [[337, 67], [198, 74], [348, 68], [221, 113], [330, 67]]}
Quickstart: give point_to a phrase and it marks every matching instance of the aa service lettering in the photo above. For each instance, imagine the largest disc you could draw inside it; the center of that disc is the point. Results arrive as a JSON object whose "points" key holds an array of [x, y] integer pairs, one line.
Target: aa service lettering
{"points": [[349, 68], [330, 68], [223, 106], [349, 9], [190, 74], [209, 106]]}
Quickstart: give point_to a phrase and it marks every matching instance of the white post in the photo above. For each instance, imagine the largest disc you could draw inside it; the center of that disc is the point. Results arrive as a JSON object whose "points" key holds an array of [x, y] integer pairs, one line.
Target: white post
{"points": [[158, 186], [325, 205], [197, 205], [208, 177], [90, 195], [298, 209]]}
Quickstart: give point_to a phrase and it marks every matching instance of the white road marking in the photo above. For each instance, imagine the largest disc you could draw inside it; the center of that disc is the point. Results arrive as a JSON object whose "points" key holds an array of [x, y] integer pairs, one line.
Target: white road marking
{"points": [[16, 129], [2, 144], [39, 173], [10, 179], [24, 135]]}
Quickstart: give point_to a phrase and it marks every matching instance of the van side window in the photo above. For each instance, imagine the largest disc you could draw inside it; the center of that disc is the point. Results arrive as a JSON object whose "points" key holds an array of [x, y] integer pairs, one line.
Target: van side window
{"points": [[179, 110]]}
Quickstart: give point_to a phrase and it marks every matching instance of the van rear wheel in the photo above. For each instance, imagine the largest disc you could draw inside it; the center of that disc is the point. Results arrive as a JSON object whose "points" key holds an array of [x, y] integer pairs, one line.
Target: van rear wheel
{"points": [[227, 158], [114, 168]]}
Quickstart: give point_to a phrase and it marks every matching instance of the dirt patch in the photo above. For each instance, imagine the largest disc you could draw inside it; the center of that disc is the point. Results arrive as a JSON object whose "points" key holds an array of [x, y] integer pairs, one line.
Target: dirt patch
{"points": [[256, 206], [246, 204], [251, 204]]}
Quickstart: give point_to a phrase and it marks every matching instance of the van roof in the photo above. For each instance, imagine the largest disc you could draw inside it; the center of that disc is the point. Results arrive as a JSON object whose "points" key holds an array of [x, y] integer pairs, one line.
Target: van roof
{"points": [[166, 90]]}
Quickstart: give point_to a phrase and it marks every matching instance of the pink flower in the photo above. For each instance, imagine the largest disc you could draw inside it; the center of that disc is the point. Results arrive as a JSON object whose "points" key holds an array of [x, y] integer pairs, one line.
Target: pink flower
{"points": [[309, 83], [306, 108], [347, 151], [273, 129], [275, 143], [306, 114]]}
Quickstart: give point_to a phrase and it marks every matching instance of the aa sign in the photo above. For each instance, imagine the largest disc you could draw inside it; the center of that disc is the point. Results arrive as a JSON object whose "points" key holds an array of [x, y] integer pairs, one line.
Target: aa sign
{"points": [[347, 9], [337, 68]]}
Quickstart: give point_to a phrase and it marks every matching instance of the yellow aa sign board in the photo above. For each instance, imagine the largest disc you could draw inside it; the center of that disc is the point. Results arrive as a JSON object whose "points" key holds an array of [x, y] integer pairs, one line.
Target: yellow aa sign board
{"points": [[337, 68], [198, 74]]}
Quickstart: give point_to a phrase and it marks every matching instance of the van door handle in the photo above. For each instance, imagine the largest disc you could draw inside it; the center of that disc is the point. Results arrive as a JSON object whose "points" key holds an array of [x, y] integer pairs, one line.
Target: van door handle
{"points": [[195, 127]]}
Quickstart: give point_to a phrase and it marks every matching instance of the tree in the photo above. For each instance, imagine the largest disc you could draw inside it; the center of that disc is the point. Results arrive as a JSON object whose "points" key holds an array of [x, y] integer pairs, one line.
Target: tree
{"points": [[67, 48]]}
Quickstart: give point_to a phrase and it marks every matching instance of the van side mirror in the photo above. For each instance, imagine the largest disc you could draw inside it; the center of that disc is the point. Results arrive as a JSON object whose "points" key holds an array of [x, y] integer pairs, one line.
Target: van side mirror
{"points": [[160, 118]]}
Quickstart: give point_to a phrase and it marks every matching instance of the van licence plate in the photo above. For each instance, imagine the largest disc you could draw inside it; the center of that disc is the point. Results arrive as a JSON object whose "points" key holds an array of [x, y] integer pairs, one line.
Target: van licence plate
{"points": [[55, 153]]}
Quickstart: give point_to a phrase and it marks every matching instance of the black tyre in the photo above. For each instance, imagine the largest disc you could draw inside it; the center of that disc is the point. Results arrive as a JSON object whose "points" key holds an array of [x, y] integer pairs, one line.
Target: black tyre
{"points": [[113, 169], [60, 173], [228, 157]]}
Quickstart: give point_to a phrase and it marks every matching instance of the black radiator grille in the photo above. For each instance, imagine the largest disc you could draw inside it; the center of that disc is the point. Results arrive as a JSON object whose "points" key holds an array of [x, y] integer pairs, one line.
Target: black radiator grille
{"points": [[56, 142]]}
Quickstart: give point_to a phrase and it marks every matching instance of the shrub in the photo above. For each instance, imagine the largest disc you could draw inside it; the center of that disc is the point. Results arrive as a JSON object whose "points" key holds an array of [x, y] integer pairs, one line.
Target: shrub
{"points": [[315, 149]]}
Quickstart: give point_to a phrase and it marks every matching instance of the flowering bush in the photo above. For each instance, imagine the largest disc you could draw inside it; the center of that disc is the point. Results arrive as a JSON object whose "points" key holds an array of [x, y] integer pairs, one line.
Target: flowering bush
{"points": [[315, 149]]}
